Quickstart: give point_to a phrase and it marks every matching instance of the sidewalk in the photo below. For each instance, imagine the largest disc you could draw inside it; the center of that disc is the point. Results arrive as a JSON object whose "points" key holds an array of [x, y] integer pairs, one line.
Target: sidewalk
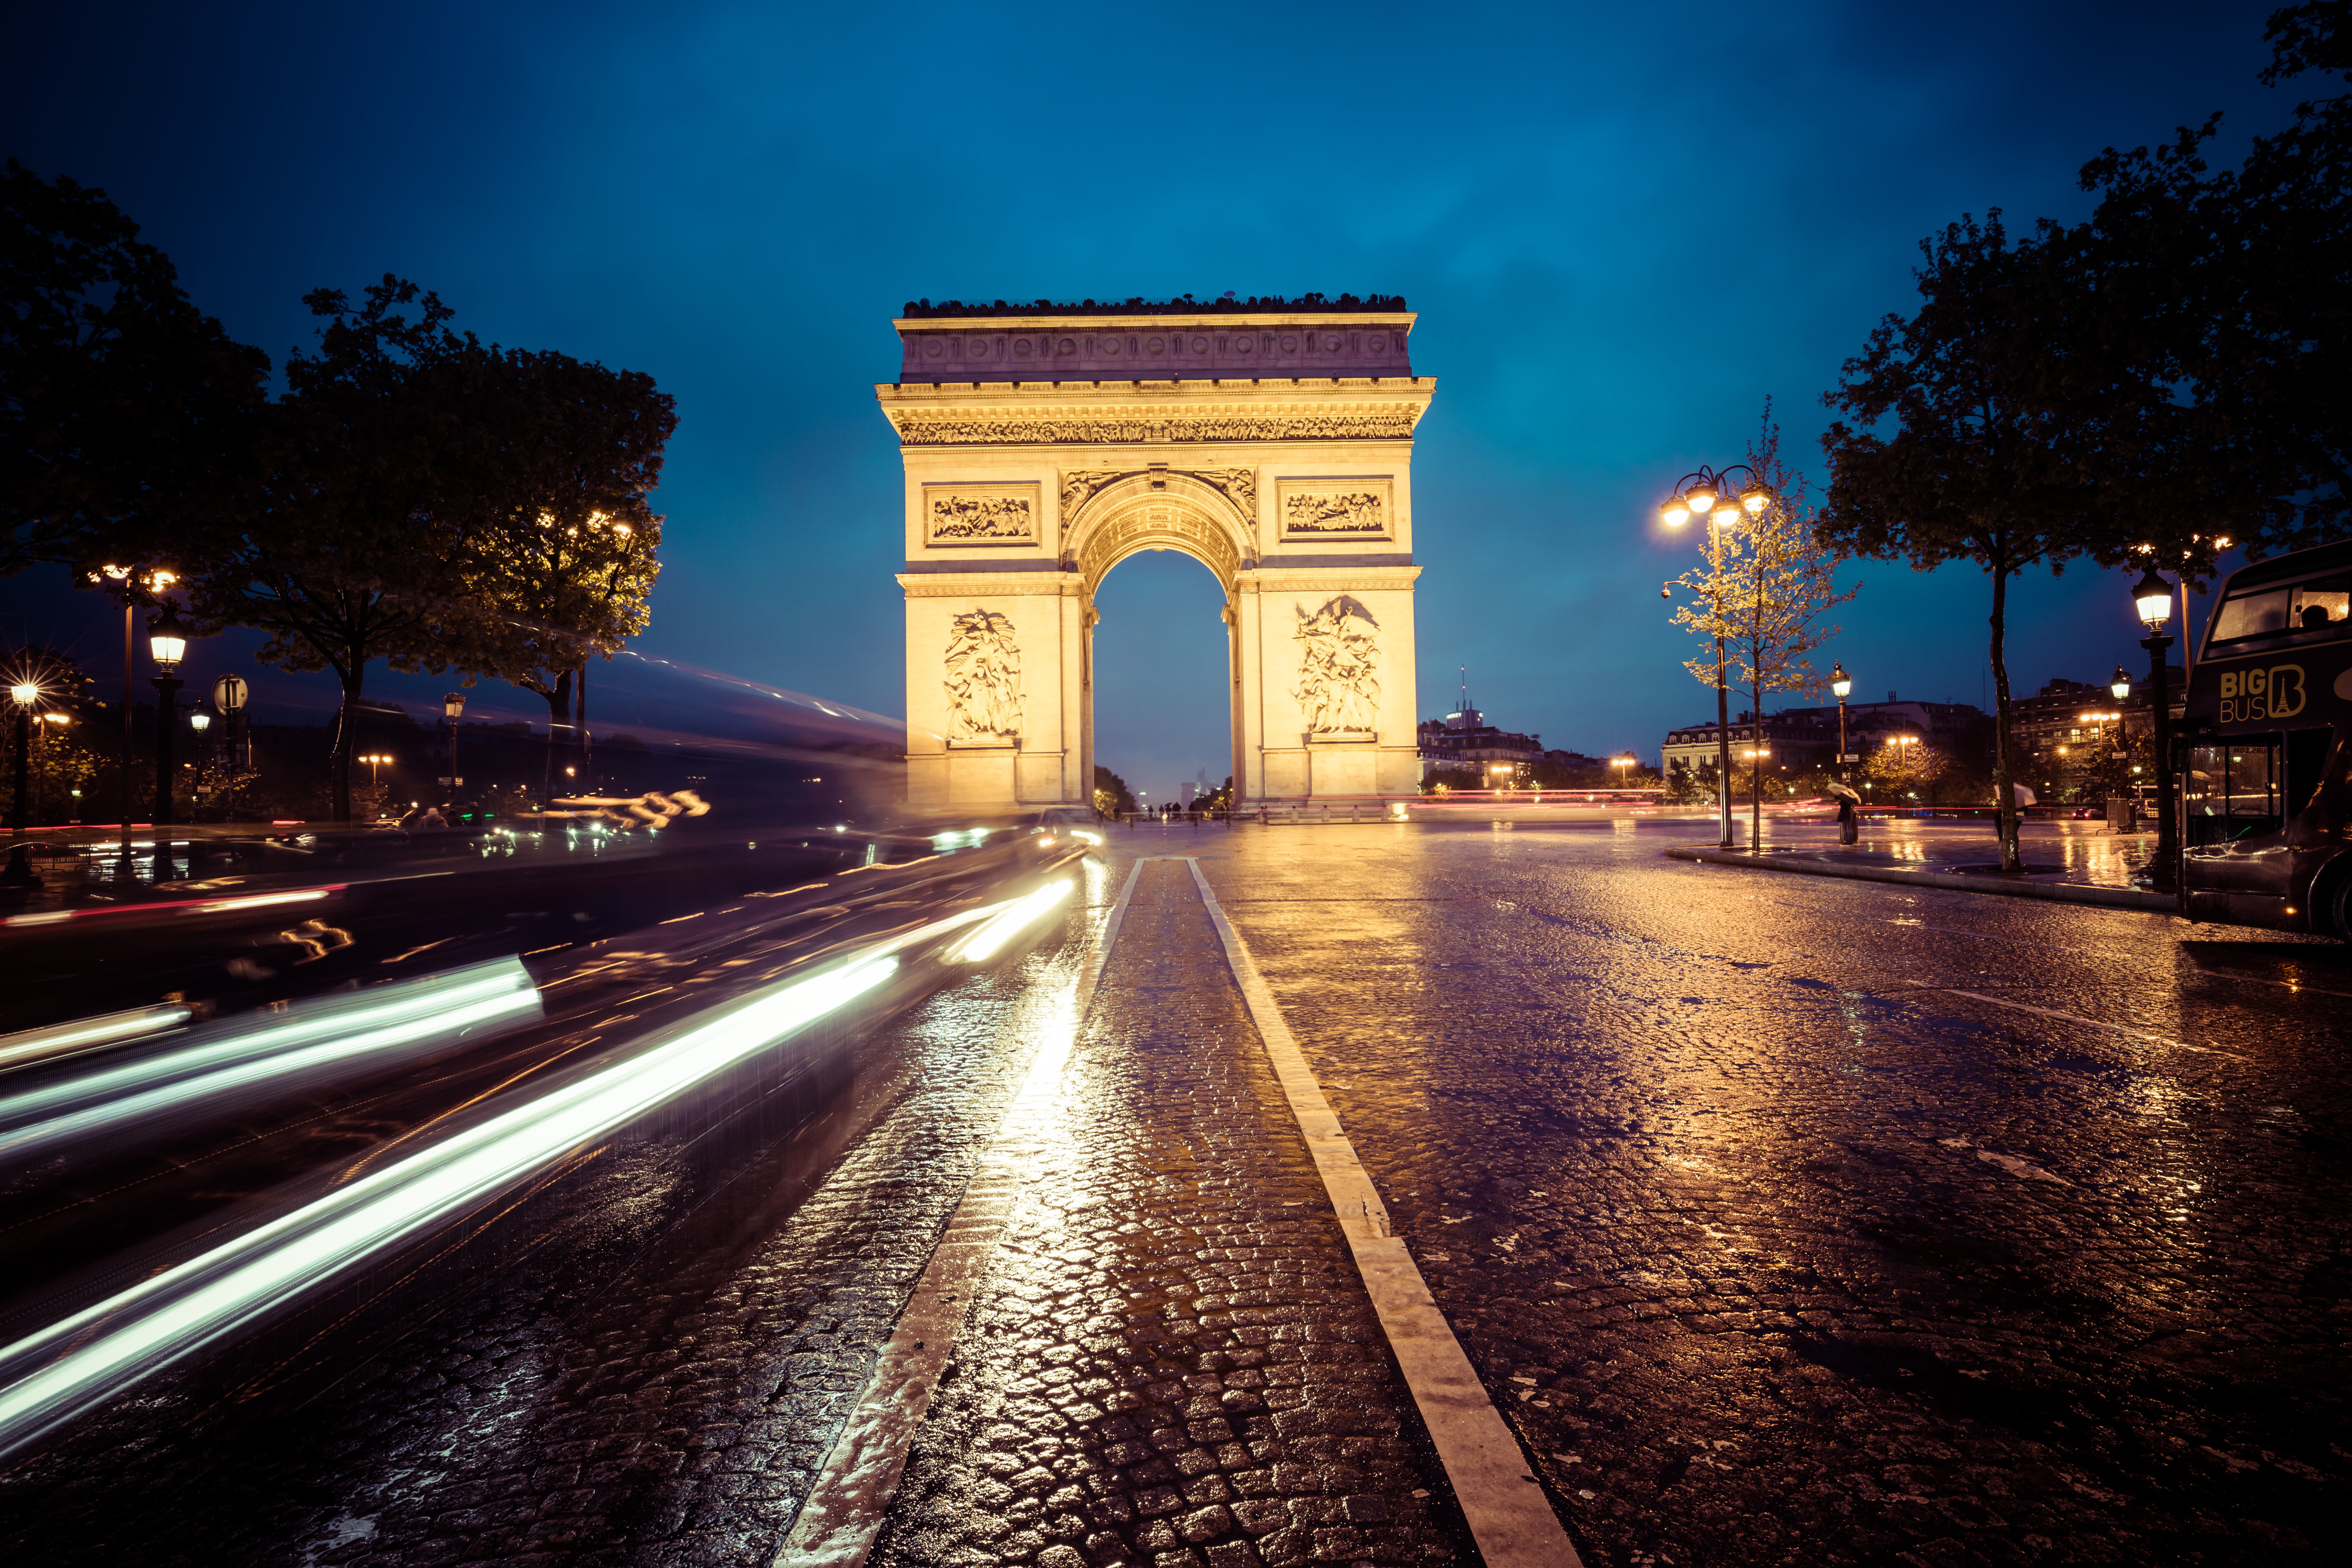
{"points": [[2066, 862]]}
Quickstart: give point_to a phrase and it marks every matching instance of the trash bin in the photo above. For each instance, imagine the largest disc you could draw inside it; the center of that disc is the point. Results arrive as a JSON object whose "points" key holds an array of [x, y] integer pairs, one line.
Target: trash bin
{"points": [[2122, 814]]}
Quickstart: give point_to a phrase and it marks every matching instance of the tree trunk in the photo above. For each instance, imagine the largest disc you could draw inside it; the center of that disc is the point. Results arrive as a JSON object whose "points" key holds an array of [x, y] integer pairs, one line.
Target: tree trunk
{"points": [[338, 762], [559, 718], [2005, 797], [1756, 768]]}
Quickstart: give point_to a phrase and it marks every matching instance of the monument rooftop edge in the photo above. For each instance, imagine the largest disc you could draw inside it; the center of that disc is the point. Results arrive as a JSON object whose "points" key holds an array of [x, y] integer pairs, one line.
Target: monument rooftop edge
{"points": [[1175, 345]]}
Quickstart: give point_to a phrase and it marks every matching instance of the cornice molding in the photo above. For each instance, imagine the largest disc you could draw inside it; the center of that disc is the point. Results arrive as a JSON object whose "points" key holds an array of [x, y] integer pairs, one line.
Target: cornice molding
{"points": [[1190, 425], [1330, 580], [992, 584]]}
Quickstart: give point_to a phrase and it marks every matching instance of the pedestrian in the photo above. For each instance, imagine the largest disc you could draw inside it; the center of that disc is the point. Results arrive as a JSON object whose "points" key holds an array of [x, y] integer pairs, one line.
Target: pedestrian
{"points": [[1849, 822]]}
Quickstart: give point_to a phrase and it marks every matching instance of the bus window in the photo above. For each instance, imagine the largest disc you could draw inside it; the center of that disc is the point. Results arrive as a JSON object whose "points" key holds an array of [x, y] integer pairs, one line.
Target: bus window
{"points": [[2232, 792], [2316, 603], [2252, 614], [2274, 612]]}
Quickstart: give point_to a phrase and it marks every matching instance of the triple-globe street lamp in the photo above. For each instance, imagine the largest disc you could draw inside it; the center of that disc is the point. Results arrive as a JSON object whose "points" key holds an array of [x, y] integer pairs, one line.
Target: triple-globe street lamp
{"points": [[1714, 495]]}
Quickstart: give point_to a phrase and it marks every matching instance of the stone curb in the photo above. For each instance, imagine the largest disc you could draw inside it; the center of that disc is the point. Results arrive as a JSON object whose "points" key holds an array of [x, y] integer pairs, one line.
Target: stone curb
{"points": [[2055, 892]]}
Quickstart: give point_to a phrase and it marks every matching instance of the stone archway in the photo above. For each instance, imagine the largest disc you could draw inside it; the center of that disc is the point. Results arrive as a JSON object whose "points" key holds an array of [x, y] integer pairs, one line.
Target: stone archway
{"points": [[1024, 494]]}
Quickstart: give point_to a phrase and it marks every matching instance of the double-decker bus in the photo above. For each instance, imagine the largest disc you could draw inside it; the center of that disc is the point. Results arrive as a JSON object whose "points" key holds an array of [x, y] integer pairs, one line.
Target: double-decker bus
{"points": [[2266, 806]]}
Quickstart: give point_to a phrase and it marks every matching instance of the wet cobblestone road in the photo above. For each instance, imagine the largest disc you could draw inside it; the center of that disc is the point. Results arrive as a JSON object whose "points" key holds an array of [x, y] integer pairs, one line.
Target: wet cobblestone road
{"points": [[1787, 1221]]}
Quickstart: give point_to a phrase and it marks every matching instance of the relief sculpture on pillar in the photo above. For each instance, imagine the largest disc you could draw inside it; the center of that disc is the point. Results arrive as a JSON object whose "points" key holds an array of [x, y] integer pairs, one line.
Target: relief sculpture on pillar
{"points": [[983, 678], [1339, 663]]}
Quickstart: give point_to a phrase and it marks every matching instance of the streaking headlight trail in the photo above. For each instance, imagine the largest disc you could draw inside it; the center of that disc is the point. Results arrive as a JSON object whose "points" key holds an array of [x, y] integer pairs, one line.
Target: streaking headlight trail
{"points": [[1002, 927], [50, 1377], [227, 1062], [31, 1046]]}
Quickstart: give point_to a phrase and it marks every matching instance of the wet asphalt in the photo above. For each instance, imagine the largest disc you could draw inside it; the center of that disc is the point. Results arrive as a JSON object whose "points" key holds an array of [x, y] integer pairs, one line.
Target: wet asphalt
{"points": [[1787, 1220]]}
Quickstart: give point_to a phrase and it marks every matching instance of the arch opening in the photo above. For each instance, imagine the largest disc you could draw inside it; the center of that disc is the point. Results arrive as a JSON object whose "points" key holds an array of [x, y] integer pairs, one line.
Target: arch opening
{"points": [[1160, 688]]}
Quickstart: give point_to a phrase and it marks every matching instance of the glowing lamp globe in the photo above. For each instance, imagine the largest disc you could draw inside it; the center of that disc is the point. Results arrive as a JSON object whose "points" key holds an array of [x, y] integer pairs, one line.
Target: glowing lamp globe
{"points": [[1674, 514], [2153, 599], [2121, 685], [167, 639], [1701, 500]]}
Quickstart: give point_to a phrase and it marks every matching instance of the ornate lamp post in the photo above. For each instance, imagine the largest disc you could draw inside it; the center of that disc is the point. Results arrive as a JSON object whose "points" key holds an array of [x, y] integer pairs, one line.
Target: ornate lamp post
{"points": [[1708, 494], [167, 641], [24, 694], [2152, 598], [1842, 684]]}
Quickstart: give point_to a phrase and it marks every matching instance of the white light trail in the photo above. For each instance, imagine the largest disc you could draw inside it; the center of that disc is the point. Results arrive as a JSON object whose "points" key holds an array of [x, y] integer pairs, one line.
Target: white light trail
{"points": [[1002, 927], [50, 1377], [234, 1058], [33, 1045]]}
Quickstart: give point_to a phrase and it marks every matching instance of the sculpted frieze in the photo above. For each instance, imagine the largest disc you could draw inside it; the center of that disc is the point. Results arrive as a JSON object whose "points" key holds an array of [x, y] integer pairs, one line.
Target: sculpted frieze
{"points": [[982, 517], [925, 430], [1339, 663], [983, 678]]}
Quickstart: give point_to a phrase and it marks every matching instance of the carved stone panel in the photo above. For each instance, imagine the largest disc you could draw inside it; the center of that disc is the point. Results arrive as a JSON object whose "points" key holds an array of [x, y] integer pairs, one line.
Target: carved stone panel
{"points": [[1349, 509], [1338, 684], [961, 516], [1240, 484], [983, 680], [927, 428]]}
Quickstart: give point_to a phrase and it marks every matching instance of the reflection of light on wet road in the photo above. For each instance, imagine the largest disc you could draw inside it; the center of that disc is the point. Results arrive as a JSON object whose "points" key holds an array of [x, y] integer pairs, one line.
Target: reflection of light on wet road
{"points": [[1001, 928], [73, 1364], [843, 1513]]}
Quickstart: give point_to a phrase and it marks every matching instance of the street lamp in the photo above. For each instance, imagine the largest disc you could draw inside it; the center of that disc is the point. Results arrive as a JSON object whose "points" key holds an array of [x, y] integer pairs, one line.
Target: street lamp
{"points": [[1699, 494], [453, 704], [167, 642], [2152, 600], [2121, 685], [1842, 684], [25, 693]]}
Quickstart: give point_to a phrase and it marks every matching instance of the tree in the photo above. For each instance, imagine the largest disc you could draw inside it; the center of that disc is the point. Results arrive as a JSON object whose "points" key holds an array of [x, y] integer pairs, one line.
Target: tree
{"points": [[2227, 290], [569, 453], [1903, 765], [441, 503], [125, 413], [1111, 794], [357, 549], [2017, 440], [1782, 583]]}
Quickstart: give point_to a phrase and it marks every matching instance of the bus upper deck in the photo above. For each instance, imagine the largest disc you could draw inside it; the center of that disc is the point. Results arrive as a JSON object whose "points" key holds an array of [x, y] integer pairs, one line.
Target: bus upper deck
{"points": [[2262, 754]]}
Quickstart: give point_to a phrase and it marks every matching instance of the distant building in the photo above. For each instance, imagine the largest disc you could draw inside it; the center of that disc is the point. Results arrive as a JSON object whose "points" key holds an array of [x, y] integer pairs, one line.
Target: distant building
{"points": [[1463, 740], [1804, 737], [2067, 721]]}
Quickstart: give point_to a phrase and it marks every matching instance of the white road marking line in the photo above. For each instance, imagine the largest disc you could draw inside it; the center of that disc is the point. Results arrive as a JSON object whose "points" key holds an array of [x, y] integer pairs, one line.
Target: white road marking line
{"points": [[1493, 1481], [2077, 1019], [843, 1514]]}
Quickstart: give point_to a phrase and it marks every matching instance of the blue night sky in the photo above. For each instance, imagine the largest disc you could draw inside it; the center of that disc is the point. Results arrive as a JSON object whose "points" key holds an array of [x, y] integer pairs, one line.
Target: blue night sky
{"points": [[1623, 227]]}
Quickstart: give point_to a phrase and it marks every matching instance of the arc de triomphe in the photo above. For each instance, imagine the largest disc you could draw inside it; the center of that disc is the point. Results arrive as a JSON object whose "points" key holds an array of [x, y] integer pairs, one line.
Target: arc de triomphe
{"points": [[1274, 446]]}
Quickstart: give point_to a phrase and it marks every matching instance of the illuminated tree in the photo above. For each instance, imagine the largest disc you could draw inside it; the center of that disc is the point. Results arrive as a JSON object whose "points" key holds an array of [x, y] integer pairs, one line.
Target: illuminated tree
{"points": [[1768, 597]]}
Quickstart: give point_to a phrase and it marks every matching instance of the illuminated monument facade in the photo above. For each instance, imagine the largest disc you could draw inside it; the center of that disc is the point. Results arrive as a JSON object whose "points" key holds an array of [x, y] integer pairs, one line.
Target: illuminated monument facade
{"points": [[1271, 442]]}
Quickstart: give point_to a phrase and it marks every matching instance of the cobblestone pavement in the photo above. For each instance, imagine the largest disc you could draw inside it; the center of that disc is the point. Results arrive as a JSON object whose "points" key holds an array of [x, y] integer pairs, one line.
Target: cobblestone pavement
{"points": [[1776, 1253], [1789, 1221], [1176, 1361]]}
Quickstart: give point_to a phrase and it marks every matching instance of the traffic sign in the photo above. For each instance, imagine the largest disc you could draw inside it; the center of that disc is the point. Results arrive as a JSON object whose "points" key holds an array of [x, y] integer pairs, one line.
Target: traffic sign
{"points": [[228, 693]]}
